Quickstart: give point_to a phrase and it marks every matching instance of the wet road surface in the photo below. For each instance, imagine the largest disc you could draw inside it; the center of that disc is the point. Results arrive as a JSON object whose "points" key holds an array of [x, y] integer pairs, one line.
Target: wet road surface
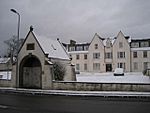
{"points": [[18, 103]]}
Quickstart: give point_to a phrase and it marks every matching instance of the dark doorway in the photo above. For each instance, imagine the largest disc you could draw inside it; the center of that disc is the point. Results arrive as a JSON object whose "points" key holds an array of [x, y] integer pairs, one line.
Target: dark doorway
{"points": [[108, 67], [30, 73]]}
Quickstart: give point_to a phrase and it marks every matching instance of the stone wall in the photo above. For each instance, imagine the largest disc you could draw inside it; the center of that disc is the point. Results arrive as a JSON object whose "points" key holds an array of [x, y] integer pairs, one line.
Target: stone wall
{"points": [[6, 83], [57, 85]]}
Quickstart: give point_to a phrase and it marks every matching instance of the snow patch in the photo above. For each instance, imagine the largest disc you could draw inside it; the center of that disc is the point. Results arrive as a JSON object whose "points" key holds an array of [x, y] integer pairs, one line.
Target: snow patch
{"points": [[5, 75], [132, 77]]}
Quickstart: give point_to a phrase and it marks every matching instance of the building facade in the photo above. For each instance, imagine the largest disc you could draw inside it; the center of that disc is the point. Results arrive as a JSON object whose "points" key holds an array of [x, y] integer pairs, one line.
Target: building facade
{"points": [[106, 54]]}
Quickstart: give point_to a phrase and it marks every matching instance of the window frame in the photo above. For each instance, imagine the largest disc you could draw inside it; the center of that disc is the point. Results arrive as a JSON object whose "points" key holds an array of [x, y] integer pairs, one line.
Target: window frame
{"points": [[96, 55], [96, 46], [135, 54], [30, 46], [96, 66], [144, 54], [77, 57]]}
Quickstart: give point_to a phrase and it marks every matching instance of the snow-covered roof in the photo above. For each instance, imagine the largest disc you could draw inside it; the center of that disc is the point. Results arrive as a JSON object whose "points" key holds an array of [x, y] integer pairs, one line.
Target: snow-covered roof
{"points": [[140, 49], [4, 60], [145, 38], [79, 52], [112, 40], [53, 48]]}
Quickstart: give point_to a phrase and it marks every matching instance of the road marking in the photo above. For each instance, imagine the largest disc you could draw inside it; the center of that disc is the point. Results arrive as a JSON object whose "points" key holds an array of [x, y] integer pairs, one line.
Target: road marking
{"points": [[3, 106]]}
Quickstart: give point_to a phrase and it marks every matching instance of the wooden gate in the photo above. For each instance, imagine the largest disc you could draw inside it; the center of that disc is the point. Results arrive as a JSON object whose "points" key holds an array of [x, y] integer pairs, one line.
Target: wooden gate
{"points": [[30, 73]]}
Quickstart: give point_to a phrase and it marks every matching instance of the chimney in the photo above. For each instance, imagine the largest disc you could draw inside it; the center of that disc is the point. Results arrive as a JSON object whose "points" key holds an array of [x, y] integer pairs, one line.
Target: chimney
{"points": [[31, 28]]}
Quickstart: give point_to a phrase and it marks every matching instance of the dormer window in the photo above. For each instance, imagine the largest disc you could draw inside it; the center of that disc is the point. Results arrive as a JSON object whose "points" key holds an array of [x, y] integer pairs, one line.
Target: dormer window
{"points": [[30, 46]]}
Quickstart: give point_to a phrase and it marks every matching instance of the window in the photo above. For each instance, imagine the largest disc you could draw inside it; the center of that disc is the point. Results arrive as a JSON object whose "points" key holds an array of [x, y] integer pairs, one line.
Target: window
{"points": [[120, 44], [1, 76], [72, 48], [144, 54], [79, 48], [77, 67], [96, 55], [85, 67], [85, 56], [145, 44], [121, 54], [145, 65], [96, 66], [86, 48], [30, 46], [77, 57], [96, 46], [135, 66], [108, 55], [121, 65], [134, 54], [135, 44]]}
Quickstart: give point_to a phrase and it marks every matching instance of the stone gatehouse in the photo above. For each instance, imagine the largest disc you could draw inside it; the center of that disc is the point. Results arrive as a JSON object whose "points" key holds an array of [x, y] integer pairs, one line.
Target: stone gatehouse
{"points": [[35, 62]]}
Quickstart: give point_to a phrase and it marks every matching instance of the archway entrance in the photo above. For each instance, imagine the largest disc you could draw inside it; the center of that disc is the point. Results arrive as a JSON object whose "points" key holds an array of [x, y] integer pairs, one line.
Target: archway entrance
{"points": [[30, 73]]}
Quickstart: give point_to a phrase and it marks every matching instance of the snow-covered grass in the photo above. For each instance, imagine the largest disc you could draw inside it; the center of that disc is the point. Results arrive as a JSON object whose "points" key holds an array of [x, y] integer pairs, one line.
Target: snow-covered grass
{"points": [[132, 77]]}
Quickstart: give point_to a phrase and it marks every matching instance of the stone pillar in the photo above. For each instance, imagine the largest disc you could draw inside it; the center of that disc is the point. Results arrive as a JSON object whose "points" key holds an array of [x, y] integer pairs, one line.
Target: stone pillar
{"points": [[70, 73], [13, 76], [47, 77]]}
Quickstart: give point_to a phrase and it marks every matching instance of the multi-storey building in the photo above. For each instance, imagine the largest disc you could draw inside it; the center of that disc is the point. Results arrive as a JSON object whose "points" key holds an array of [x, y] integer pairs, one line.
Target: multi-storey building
{"points": [[106, 54], [140, 54]]}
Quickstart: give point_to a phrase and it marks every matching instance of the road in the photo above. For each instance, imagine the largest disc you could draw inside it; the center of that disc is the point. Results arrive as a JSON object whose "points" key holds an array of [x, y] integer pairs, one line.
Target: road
{"points": [[12, 103]]}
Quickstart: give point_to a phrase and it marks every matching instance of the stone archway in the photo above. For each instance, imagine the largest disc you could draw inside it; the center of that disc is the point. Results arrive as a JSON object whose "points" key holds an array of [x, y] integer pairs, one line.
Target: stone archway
{"points": [[30, 72]]}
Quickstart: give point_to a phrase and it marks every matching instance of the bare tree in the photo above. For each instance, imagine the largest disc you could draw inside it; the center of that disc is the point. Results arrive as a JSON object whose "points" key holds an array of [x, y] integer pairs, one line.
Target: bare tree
{"points": [[12, 45]]}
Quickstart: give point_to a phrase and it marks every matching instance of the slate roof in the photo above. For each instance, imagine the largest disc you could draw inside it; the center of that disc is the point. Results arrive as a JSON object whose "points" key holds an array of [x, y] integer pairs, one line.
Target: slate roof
{"points": [[53, 48]]}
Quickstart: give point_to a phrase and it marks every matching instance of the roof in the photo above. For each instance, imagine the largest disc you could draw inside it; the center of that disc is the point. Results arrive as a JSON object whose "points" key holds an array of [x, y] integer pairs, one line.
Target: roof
{"points": [[4, 60], [53, 48], [78, 52], [112, 40], [140, 49], [139, 40]]}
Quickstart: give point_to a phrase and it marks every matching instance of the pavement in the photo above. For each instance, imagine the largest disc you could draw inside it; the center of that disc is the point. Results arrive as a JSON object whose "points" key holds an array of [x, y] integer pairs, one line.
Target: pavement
{"points": [[76, 93]]}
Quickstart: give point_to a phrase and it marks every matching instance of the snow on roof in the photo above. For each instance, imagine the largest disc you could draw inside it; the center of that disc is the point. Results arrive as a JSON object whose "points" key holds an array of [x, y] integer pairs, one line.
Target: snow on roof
{"points": [[146, 38], [104, 42], [140, 49], [53, 48], [79, 52], [4, 60], [112, 40]]}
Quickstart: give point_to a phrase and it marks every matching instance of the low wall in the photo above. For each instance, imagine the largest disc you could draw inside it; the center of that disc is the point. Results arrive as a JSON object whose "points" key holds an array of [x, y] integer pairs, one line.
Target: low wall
{"points": [[86, 86], [6, 83]]}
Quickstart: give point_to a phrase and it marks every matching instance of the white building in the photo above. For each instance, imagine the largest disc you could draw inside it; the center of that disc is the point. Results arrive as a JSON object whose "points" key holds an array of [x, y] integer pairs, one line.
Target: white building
{"points": [[106, 54]]}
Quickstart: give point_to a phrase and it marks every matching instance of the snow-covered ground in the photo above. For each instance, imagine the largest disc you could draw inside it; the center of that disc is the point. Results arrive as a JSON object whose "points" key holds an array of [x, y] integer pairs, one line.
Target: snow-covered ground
{"points": [[5, 75], [132, 77]]}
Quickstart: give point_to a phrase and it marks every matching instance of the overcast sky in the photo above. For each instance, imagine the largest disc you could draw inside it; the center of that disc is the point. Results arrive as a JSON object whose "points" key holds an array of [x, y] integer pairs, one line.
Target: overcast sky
{"points": [[75, 19]]}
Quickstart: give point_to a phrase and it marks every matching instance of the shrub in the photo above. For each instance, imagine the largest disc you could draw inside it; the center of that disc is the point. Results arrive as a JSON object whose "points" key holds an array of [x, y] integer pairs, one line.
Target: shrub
{"points": [[59, 71]]}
